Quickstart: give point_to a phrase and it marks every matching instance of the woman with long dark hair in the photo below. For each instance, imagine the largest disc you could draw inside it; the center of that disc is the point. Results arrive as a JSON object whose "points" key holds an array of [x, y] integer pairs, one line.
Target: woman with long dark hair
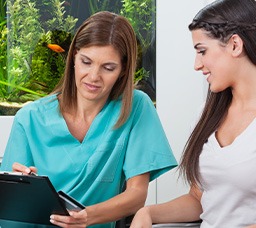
{"points": [[219, 159]]}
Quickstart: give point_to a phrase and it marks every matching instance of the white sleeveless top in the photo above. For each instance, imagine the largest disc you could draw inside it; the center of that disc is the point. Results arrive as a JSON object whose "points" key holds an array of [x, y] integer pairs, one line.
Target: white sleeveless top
{"points": [[229, 181]]}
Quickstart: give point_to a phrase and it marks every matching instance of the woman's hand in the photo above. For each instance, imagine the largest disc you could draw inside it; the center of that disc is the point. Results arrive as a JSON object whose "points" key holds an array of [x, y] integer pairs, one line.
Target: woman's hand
{"points": [[181, 209], [75, 220], [17, 167], [142, 219]]}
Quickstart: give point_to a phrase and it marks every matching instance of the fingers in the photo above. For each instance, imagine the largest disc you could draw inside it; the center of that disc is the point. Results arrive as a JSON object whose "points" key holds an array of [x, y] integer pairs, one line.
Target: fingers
{"points": [[67, 221], [75, 220], [63, 221], [17, 167], [33, 169]]}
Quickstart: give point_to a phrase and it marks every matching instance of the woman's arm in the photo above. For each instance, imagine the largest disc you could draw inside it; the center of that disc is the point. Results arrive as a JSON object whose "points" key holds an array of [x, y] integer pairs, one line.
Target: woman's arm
{"points": [[124, 204], [186, 208]]}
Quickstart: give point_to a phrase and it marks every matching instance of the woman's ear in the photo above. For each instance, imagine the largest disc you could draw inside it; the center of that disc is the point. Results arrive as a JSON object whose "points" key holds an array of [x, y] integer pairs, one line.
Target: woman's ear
{"points": [[236, 43]]}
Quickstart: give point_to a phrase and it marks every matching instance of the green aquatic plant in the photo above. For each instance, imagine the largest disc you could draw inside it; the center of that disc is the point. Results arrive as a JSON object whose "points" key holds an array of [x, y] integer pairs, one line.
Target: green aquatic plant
{"points": [[33, 68], [102, 5], [3, 19], [53, 16], [48, 65], [3, 59], [3, 46], [141, 14], [23, 34]]}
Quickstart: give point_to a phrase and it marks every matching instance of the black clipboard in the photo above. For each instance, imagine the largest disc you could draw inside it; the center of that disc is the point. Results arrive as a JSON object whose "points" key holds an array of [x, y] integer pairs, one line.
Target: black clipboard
{"points": [[69, 202], [30, 199]]}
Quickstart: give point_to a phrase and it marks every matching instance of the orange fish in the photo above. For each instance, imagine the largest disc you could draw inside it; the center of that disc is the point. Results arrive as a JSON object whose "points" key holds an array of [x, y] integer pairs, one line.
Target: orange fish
{"points": [[55, 47]]}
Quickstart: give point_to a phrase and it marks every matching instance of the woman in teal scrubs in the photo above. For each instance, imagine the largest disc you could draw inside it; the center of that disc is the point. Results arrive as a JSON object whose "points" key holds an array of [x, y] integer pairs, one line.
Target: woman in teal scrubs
{"points": [[95, 132]]}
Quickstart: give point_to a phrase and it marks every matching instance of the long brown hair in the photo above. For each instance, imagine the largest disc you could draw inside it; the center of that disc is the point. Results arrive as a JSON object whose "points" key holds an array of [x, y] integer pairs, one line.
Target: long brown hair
{"points": [[102, 29], [220, 20]]}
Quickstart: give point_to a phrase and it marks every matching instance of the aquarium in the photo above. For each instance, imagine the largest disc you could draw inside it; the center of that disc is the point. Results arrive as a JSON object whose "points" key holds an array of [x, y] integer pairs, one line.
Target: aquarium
{"points": [[35, 36]]}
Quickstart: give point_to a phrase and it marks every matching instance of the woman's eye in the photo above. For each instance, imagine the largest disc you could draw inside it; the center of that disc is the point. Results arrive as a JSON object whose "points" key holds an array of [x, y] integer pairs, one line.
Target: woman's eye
{"points": [[202, 52], [109, 69], [86, 62]]}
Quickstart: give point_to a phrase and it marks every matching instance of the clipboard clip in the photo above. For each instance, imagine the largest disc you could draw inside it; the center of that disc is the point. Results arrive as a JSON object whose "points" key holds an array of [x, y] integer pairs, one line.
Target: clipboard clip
{"points": [[18, 173], [11, 173]]}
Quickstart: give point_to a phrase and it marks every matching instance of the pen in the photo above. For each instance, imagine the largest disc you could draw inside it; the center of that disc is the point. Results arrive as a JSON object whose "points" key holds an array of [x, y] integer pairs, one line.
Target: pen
{"points": [[32, 173]]}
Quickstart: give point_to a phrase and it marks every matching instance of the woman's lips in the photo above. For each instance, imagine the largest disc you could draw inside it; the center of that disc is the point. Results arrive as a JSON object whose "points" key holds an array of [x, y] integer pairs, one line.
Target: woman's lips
{"points": [[207, 74], [91, 87]]}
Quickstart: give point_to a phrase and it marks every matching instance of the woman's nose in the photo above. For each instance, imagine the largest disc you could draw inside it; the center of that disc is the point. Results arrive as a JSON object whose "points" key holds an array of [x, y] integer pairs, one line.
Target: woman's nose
{"points": [[198, 65], [94, 73]]}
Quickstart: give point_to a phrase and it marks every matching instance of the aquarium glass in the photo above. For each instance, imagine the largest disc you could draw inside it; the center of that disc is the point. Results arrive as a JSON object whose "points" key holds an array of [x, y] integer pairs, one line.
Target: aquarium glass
{"points": [[35, 36]]}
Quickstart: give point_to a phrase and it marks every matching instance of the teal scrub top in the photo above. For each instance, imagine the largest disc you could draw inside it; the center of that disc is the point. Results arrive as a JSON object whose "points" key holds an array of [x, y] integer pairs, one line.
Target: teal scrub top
{"points": [[95, 169]]}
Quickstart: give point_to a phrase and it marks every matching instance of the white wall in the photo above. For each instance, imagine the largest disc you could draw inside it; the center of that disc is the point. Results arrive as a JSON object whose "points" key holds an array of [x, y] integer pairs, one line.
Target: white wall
{"points": [[5, 125]]}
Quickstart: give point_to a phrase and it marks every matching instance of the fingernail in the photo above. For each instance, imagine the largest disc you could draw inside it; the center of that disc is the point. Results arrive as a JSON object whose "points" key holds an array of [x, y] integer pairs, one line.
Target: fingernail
{"points": [[27, 170]]}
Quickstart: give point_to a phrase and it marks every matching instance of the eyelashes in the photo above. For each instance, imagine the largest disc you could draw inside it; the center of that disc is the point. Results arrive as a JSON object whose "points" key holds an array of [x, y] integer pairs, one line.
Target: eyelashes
{"points": [[107, 68], [202, 52]]}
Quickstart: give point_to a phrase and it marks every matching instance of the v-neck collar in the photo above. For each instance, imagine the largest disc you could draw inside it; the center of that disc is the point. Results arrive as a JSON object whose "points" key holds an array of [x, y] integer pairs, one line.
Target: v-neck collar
{"points": [[237, 138], [55, 120]]}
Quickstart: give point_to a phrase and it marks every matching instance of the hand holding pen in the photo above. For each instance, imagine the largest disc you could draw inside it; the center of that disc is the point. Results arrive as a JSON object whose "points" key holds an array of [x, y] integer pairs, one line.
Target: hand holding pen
{"points": [[17, 167]]}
